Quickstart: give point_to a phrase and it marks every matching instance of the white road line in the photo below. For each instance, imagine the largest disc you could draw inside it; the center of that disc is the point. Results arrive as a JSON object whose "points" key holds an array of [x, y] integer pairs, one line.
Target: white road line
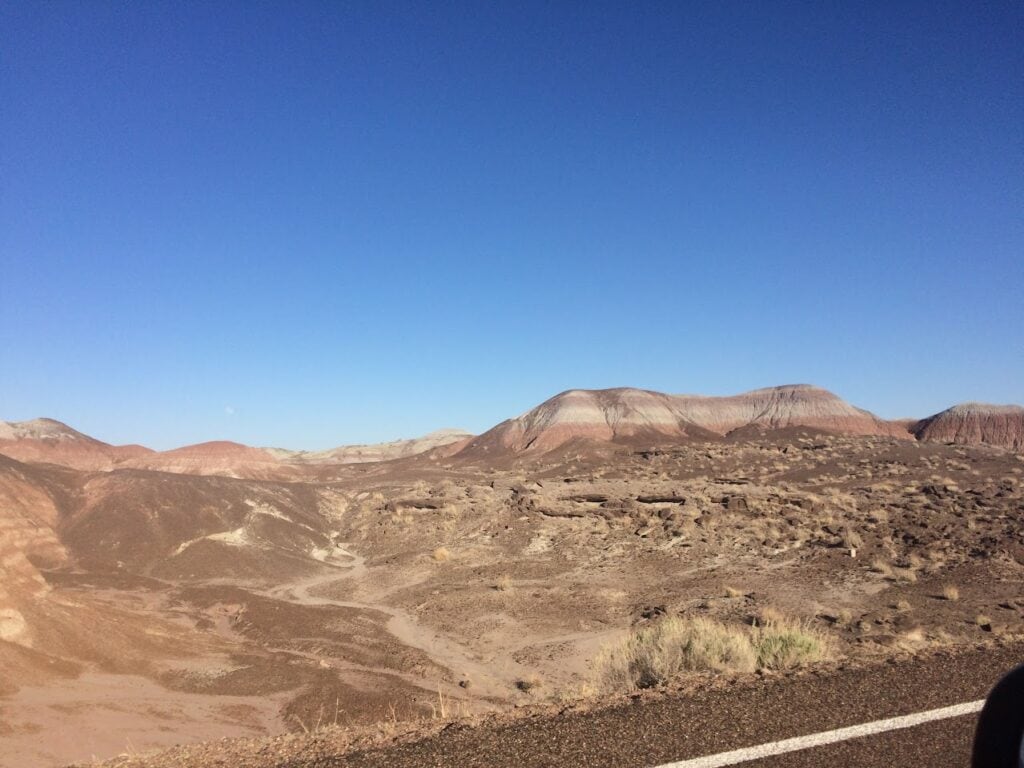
{"points": [[827, 737]]}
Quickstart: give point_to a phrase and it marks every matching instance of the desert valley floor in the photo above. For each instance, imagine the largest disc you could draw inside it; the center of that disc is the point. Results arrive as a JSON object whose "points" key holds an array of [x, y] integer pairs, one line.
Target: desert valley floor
{"points": [[142, 608]]}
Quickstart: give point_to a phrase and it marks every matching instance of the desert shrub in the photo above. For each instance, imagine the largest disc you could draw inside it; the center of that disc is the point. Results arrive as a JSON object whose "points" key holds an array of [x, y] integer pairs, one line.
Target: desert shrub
{"points": [[852, 539], [905, 574], [840, 618], [768, 614], [878, 565], [528, 684], [655, 654], [787, 644]]}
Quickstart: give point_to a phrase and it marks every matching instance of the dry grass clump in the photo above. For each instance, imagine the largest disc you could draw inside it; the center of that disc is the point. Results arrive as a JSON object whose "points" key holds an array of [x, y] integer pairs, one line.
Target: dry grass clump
{"points": [[402, 518], [878, 565], [851, 539], [442, 555], [912, 639], [879, 516], [652, 655], [935, 557], [528, 684], [768, 615], [908, 575], [950, 592], [787, 644]]}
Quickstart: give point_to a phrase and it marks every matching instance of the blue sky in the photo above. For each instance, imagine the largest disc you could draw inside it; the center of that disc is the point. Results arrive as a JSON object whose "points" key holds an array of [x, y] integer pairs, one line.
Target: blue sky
{"points": [[307, 224]]}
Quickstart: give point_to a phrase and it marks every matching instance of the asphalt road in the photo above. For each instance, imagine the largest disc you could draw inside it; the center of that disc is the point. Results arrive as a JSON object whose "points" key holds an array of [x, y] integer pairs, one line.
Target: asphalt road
{"points": [[654, 732]]}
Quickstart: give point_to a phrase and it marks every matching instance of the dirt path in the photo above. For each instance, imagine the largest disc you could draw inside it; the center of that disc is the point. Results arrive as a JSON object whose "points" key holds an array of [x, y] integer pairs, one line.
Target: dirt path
{"points": [[489, 680]]}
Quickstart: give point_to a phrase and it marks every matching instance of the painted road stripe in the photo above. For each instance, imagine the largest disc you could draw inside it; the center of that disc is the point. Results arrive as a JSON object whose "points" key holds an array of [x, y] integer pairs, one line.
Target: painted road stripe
{"points": [[827, 737]]}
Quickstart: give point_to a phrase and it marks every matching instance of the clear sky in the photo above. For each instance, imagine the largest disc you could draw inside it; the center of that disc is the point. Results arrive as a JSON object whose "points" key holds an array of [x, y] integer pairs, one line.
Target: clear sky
{"points": [[308, 224]]}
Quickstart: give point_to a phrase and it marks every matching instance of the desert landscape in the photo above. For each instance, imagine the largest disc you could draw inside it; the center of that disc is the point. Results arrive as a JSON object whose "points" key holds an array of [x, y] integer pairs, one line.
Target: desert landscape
{"points": [[415, 385], [270, 597]]}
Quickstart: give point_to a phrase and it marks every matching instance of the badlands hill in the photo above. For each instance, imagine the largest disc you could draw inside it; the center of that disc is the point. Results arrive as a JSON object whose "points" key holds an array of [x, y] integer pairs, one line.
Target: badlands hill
{"points": [[27, 540], [974, 423], [605, 416], [46, 635], [181, 526], [51, 442], [625, 414], [46, 441], [218, 457], [396, 449], [229, 459]]}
